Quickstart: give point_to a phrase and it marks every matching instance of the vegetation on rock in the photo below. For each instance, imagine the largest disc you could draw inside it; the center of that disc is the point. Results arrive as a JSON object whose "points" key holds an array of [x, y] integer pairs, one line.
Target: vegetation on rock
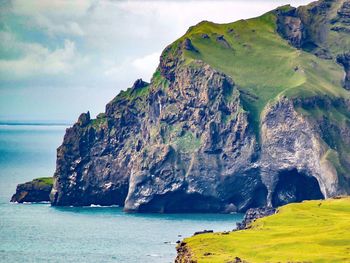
{"points": [[37, 190]]}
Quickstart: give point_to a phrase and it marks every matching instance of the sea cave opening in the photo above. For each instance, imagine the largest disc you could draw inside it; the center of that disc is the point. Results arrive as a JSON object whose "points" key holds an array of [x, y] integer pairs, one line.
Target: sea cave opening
{"points": [[294, 186]]}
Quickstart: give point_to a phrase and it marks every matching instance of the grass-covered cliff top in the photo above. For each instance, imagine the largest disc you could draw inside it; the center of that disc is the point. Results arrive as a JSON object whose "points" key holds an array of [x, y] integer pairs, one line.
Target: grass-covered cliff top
{"points": [[262, 64], [312, 231], [44, 180]]}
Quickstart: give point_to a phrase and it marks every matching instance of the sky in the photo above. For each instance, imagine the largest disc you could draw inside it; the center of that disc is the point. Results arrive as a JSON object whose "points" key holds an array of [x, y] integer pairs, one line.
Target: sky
{"points": [[59, 58]]}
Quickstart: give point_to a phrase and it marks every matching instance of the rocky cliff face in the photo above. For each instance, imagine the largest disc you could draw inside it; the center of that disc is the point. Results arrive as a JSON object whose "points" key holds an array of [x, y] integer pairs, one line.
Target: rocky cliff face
{"points": [[188, 142], [173, 150], [321, 28], [292, 157]]}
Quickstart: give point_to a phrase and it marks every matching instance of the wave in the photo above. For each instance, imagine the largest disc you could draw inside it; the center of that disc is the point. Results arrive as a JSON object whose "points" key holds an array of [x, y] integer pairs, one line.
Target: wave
{"points": [[93, 205], [32, 203]]}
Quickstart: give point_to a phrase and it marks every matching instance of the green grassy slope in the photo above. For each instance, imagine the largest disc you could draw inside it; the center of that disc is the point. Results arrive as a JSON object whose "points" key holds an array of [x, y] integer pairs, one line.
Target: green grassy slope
{"points": [[44, 180], [312, 231], [262, 64]]}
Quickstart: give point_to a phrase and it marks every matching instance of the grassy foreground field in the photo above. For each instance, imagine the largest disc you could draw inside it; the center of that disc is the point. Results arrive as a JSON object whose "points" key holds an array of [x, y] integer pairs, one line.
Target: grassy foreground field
{"points": [[312, 231]]}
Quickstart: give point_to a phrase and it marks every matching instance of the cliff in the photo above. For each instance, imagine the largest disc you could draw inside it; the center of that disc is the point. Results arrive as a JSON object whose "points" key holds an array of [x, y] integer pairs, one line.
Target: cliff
{"points": [[238, 115]]}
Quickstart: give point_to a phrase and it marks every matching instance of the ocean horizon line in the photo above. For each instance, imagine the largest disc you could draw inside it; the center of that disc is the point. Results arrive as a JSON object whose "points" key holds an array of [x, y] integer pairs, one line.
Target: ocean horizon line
{"points": [[35, 123]]}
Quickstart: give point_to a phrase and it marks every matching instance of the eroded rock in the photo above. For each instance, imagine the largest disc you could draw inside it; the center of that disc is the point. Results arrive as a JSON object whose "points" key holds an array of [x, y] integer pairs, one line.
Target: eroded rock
{"points": [[34, 191]]}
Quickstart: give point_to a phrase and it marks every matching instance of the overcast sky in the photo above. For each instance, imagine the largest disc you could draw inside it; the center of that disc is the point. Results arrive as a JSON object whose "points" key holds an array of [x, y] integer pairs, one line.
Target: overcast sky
{"points": [[59, 58]]}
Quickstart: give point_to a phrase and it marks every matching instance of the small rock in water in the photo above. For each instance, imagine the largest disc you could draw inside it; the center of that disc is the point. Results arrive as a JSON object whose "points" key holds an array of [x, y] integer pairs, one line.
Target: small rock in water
{"points": [[37, 190]]}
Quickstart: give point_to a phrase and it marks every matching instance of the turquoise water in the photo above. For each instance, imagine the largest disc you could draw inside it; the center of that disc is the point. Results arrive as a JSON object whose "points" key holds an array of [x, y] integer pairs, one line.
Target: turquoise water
{"points": [[41, 233]]}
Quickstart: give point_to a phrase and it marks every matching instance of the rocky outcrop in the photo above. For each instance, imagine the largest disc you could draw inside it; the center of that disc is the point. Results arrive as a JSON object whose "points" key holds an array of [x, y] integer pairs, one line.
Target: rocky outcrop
{"points": [[37, 190], [341, 22], [309, 27], [290, 26], [184, 254], [203, 232], [187, 45], [254, 213], [344, 60], [292, 153], [92, 166]]}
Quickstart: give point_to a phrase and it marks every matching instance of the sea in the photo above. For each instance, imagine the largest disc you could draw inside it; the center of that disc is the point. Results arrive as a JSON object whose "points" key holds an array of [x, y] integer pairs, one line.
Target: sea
{"points": [[41, 233]]}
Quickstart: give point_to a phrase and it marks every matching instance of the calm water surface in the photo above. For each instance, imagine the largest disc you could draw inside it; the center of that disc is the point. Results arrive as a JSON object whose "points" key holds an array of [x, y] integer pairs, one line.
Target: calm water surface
{"points": [[41, 233]]}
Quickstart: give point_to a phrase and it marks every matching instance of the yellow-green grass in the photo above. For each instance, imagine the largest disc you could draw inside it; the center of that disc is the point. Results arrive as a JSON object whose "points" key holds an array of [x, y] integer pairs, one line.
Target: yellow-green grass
{"points": [[45, 180], [311, 231]]}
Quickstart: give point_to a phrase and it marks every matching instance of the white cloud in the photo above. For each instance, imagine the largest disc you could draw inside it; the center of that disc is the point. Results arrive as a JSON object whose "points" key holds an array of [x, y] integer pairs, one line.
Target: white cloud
{"points": [[142, 67], [37, 60], [51, 7], [54, 17], [114, 69], [146, 65], [53, 28]]}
